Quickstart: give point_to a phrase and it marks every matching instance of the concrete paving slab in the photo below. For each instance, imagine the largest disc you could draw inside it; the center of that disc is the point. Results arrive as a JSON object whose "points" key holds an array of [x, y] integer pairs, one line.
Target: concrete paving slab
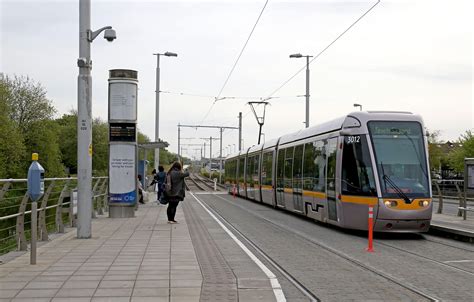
{"points": [[135, 259]]}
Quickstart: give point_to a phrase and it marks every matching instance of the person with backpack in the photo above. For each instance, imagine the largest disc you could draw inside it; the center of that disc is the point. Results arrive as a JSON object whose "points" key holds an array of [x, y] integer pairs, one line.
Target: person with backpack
{"points": [[174, 189]]}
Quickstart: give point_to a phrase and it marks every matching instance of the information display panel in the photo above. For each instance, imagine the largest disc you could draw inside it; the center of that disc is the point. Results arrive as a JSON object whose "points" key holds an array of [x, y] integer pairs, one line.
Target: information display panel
{"points": [[122, 174], [122, 100], [122, 132]]}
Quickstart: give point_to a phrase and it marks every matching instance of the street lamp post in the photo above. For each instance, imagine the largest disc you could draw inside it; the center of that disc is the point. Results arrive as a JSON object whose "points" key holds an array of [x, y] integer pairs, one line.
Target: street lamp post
{"points": [[84, 117], [157, 96], [298, 55], [358, 105]]}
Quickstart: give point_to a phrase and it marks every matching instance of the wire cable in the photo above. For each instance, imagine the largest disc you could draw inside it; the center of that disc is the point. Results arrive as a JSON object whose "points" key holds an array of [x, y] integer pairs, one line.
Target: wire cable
{"points": [[218, 97], [322, 51]]}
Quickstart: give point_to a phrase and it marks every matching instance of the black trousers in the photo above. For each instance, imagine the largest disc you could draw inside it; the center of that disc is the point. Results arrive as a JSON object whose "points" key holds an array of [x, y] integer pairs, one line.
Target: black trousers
{"points": [[171, 211]]}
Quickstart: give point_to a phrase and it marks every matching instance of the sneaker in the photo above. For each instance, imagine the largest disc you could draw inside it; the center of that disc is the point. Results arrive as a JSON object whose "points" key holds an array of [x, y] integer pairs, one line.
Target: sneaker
{"points": [[174, 221]]}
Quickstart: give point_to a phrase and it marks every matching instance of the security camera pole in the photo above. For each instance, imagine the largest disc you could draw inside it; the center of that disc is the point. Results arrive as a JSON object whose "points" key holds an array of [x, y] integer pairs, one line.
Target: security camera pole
{"points": [[84, 118]]}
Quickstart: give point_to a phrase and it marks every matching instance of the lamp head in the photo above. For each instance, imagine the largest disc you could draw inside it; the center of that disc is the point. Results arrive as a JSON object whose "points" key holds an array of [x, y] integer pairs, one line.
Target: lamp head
{"points": [[170, 54], [296, 55]]}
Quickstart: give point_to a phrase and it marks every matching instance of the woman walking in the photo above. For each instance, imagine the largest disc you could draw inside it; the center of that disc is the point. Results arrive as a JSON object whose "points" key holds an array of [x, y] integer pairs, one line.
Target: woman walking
{"points": [[177, 191]]}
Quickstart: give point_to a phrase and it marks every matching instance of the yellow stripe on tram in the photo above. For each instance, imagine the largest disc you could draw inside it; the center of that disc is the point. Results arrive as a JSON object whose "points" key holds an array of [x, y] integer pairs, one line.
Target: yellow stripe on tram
{"points": [[320, 195], [359, 199]]}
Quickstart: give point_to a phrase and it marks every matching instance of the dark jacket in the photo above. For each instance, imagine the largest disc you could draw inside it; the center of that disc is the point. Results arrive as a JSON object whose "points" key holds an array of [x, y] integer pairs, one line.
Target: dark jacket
{"points": [[160, 177], [178, 187]]}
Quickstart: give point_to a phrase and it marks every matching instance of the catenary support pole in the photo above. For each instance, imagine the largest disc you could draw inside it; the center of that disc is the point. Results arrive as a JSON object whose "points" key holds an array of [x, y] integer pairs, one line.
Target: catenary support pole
{"points": [[307, 92], [179, 142], [220, 156], [240, 131], [210, 157], [84, 126]]}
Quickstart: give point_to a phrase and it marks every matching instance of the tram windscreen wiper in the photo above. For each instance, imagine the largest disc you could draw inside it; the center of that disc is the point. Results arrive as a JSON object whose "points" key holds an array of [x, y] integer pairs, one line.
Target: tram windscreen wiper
{"points": [[387, 179]]}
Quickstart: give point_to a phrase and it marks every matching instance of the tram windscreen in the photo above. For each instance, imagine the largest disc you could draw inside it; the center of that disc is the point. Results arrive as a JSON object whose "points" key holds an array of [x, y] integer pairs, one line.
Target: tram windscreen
{"points": [[400, 157]]}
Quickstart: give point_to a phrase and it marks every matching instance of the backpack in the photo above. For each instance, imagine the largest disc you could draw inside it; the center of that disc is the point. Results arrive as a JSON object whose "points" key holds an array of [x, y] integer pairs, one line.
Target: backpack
{"points": [[167, 185]]}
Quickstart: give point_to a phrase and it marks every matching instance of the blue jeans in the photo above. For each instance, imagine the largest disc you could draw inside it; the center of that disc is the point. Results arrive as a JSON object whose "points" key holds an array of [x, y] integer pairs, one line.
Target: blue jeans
{"points": [[160, 191]]}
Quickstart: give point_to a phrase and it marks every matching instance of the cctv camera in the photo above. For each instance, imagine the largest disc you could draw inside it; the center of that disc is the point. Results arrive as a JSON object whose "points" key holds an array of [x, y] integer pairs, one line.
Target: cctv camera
{"points": [[110, 35]]}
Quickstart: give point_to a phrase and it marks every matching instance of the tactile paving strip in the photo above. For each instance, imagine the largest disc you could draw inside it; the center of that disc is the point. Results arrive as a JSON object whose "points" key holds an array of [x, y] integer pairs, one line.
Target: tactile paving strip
{"points": [[219, 283]]}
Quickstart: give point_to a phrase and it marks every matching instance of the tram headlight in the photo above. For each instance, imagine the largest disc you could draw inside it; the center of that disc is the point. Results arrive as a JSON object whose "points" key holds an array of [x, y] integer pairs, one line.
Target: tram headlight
{"points": [[424, 203], [390, 203]]}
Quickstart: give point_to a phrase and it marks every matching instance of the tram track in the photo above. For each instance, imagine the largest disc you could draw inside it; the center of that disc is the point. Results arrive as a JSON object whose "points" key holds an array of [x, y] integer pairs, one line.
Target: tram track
{"points": [[426, 258], [194, 183], [195, 178], [294, 280], [448, 245], [305, 291]]}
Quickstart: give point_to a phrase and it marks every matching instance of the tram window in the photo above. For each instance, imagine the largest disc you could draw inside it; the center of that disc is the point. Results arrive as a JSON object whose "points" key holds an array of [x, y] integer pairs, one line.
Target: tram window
{"points": [[331, 155], [280, 167], [308, 167], [250, 164], [255, 169], [267, 169], [357, 173], [297, 166], [241, 169], [319, 178], [288, 167]]}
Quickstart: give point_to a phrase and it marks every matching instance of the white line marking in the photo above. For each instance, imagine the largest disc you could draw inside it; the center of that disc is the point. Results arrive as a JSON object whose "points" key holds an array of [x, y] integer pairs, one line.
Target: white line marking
{"points": [[458, 261], [277, 291], [211, 193]]}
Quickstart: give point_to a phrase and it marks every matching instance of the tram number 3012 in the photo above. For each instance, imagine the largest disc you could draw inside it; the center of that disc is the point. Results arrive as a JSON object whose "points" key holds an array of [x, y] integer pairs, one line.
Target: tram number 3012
{"points": [[353, 139]]}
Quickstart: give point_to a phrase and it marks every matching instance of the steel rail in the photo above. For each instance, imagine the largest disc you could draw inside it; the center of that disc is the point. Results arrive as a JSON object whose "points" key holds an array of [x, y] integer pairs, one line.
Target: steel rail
{"points": [[345, 257], [427, 258], [268, 258]]}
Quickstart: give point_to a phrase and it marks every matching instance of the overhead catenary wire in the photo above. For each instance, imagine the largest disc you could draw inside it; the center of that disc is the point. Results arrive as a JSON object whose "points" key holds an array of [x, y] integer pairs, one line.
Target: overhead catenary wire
{"points": [[218, 97], [324, 49]]}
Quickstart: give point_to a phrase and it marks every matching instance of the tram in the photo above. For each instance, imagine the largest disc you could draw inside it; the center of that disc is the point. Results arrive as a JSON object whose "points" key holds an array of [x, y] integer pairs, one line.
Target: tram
{"points": [[332, 172]]}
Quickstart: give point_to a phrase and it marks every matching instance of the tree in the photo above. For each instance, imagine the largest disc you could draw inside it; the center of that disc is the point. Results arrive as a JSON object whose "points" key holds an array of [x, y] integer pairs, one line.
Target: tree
{"points": [[68, 134], [43, 138], [12, 149], [27, 101], [437, 157], [456, 157], [100, 147]]}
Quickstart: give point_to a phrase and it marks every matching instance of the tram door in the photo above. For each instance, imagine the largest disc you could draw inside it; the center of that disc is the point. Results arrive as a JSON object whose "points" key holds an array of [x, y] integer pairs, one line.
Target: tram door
{"points": [[298, 179], [280, 191], [331, 147]]}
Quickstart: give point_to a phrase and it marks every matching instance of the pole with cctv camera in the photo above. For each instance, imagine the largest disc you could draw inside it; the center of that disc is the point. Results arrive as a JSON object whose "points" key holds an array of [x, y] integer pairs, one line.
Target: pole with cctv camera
{"points": [[84, 117]]}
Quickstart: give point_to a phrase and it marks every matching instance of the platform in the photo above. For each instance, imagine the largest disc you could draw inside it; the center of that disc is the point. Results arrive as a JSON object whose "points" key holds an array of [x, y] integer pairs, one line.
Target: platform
{"points": [[140, 259], [453, 225]]}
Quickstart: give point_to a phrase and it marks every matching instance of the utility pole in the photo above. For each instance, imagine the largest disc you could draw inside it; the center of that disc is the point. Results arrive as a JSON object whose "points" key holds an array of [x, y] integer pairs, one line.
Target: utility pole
{"points": [[210, 157], [215, 127], [240, 131], [157, 108], [84, 117], [298, 55], [179, 141], [220, 157]]}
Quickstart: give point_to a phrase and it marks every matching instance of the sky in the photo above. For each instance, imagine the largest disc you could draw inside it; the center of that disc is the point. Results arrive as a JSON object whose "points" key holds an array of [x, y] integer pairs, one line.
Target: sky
{"points": [[402, 56]]}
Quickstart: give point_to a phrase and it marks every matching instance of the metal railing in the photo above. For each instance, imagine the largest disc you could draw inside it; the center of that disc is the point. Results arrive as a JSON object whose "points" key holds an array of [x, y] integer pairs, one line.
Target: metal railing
{"points": [[56, 209], [454, 190]]}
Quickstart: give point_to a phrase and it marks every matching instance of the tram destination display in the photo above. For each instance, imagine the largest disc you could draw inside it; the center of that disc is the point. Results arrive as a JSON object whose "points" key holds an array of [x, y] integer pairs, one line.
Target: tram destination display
{"points": [[122, 132]]}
